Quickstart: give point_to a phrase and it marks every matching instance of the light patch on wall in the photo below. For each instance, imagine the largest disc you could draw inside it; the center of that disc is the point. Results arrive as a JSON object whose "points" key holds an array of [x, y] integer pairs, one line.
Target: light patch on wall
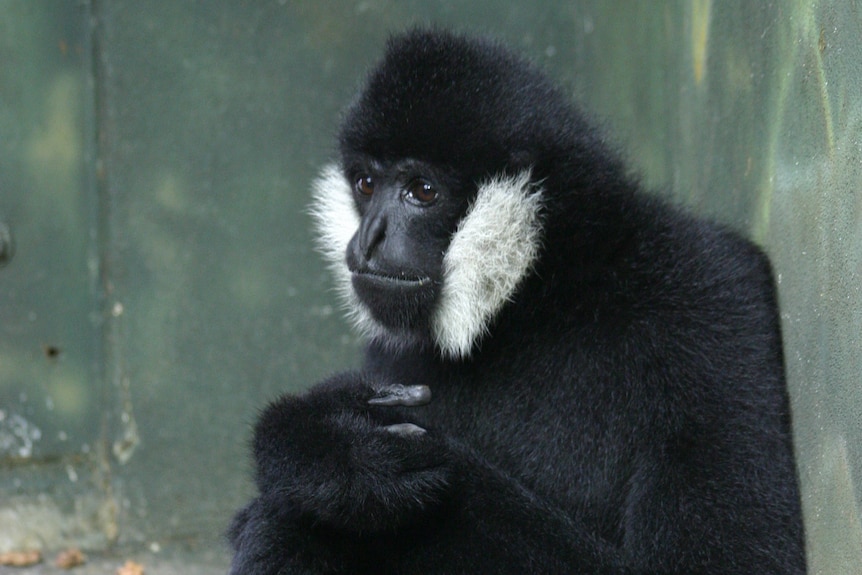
{"points": [[56, 145], [54, 149], [700, 17], [17, 435]]}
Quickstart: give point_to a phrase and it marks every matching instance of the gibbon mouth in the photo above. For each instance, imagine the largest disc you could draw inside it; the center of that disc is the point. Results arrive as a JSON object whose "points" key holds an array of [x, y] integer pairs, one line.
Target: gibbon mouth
{"points": [[385, 280]]}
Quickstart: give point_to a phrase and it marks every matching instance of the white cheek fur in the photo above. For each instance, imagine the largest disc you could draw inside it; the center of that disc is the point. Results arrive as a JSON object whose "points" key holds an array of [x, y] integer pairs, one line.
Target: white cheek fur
{"points": [[336, 220], [490, 253]]}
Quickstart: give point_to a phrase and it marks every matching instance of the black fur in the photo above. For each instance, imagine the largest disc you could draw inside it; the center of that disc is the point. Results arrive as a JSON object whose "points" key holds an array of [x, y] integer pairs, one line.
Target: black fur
{"points": [[626, 412]]}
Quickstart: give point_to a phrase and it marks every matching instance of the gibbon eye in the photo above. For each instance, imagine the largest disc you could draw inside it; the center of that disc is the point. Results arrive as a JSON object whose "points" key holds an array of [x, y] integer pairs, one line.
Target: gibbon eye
{"points": [[364, 184], [422, 192]]}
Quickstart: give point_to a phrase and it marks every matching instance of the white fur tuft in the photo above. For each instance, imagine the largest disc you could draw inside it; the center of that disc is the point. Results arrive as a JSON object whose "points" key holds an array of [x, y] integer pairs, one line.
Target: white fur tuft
{"points": [[336, 220], [490, 253]]}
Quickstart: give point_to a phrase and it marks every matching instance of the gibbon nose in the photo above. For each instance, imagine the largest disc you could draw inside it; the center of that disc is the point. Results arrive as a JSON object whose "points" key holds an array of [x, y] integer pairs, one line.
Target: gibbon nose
{"points": [[371, 234]]}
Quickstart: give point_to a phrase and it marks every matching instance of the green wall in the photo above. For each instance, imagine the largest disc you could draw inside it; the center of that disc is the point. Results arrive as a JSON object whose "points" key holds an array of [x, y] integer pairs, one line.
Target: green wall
{"points": [[155, 160]]}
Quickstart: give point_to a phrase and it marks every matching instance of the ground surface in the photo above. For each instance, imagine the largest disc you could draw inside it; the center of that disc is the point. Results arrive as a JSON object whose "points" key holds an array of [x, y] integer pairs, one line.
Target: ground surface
{"points": [[153, 564]]}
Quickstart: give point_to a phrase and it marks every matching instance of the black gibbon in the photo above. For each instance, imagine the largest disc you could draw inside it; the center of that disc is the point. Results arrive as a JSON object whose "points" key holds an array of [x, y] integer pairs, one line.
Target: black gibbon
{"points": [[563, 374]]}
